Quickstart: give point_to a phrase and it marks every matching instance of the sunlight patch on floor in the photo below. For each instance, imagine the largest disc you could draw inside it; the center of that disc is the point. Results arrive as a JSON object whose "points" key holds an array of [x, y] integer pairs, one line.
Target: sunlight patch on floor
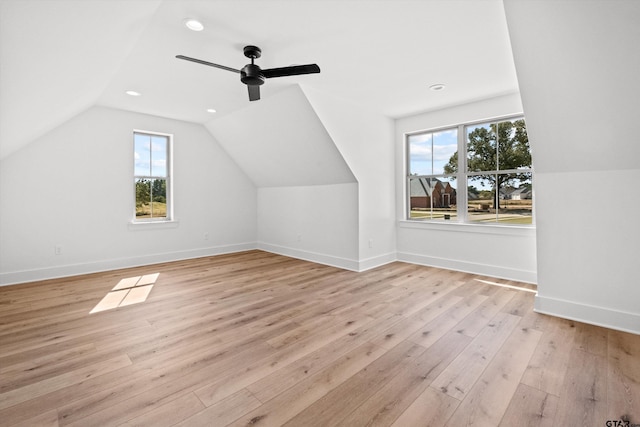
{"points": [[519, 288], [128, 291]]}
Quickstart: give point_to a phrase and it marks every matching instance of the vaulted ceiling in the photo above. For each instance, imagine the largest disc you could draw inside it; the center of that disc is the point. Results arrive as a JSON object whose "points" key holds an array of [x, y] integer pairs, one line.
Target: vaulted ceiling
{"points": [[60, 57]]}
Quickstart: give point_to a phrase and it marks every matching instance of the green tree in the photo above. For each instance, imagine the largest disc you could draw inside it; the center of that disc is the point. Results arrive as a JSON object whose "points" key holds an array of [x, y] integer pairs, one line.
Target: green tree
{"points": [[159, 190], [501, 146], [143, 192]]}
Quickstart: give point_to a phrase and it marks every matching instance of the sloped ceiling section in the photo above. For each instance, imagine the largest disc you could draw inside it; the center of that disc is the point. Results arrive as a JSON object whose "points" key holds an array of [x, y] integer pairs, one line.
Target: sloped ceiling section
{"points": [[57, 57], [281, 142]]}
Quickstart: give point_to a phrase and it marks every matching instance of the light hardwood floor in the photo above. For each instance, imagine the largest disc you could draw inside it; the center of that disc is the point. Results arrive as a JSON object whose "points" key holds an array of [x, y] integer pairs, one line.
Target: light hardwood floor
{"points": [[257, 339]]}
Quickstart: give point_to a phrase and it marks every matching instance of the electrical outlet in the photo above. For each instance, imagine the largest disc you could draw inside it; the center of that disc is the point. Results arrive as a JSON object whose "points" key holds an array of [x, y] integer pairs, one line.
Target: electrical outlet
{"points": [[206, 236], [370, 243], [58, 250], [299, 237]]}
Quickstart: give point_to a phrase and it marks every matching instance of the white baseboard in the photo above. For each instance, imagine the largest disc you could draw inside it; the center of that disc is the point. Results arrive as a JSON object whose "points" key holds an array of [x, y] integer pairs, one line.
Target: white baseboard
{"points": [[377, 261], [333, 261], [593, 315], [470, 267], [15, 277]]}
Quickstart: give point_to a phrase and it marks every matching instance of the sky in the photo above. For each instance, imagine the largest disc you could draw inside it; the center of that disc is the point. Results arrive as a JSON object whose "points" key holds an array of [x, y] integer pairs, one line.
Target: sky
{"points": [[150, 155], [431, 151]]}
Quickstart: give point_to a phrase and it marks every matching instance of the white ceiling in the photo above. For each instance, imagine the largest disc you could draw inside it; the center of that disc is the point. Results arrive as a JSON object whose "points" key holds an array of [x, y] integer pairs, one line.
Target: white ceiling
{"points": [[59, 57]]}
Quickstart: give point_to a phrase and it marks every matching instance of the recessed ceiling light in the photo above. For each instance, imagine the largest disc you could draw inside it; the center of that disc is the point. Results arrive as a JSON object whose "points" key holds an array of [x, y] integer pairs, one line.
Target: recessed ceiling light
{"points": [[193, 24], [133, 93], [436, 87], [210, 110]]}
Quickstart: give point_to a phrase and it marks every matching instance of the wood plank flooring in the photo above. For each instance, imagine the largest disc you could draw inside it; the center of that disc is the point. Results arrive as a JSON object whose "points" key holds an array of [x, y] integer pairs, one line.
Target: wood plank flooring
{"points": [[257, 339]]}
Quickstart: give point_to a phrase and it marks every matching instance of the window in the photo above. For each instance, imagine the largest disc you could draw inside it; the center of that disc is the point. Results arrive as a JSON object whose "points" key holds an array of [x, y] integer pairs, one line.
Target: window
{"points": [[499, 173], [432, 192], [495, 168], [152, 177]]}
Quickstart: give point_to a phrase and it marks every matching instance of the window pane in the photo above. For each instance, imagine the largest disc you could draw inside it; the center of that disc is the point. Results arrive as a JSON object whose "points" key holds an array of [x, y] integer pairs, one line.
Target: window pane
{"points": [[513, 145], [516, 199], [433, 198], [143, 198], [430, 152], [513, 203], [420, 154], [142, 154], [158, 155], [151, 198], [481, 148], [159, 198], [481, 198], [445, 152]]}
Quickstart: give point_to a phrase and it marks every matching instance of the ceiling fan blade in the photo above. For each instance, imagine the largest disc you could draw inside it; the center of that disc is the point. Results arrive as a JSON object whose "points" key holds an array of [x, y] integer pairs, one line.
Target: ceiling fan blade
{"points": [[211, 64], [254, 92], [293, 70]]}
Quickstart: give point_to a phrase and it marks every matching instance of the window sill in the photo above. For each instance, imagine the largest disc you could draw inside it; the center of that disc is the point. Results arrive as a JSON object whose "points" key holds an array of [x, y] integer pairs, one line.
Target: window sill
{"points": [[461, 227], [152, 225]]}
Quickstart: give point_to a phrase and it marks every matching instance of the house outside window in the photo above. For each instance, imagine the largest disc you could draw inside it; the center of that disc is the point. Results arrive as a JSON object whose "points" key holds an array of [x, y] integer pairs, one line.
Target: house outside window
{"points": [[152, 176], [495, 166]]}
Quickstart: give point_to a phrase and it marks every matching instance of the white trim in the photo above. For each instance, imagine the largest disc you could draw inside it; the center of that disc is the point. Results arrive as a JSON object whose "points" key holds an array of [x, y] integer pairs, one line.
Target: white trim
{"points": [[462, 227], [470, 267], [15, 277], [333, 261], [168, 178], [377, 261], [152, 225], [594, 315], [24, 276]]}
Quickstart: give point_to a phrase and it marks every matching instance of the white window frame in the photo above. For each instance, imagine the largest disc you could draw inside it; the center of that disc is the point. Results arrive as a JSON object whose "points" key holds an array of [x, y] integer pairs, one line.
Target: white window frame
{"points": [[428, 176], [461, 176], [169, 179]]}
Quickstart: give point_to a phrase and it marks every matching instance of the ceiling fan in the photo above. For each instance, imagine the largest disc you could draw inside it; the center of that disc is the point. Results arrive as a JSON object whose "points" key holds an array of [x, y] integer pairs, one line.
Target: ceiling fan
{"points": [[253, 76]]}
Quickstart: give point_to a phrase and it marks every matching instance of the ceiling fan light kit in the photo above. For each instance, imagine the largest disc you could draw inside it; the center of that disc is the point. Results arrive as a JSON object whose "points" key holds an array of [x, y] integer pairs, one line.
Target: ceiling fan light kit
{"points": [[252, 75]]}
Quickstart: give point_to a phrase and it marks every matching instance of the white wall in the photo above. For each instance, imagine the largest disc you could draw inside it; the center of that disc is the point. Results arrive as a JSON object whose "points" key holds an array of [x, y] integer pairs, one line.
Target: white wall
{"points": [[318, 223], [73, 187], [507, 252], [325, 176], [307, 195], [578, 65], [365, 140]]}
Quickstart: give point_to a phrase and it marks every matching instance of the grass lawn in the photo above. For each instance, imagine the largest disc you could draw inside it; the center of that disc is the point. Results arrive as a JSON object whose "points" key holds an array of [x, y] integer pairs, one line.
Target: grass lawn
{"points": [[159, 210]]}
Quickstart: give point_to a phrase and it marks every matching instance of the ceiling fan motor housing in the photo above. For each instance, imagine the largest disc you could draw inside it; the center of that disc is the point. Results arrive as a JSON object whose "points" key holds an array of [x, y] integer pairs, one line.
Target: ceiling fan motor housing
{"points": [[251, 75]]}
